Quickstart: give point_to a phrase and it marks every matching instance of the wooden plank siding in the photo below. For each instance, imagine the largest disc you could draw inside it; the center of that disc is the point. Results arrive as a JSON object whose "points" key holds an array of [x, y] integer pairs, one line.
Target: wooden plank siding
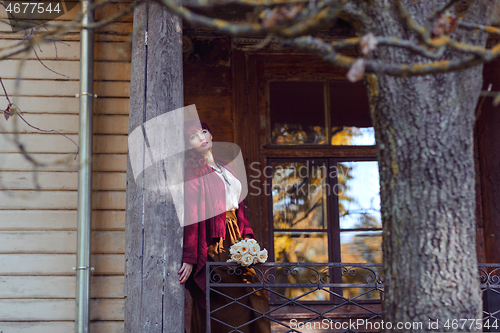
{"points": [[38, 228]]}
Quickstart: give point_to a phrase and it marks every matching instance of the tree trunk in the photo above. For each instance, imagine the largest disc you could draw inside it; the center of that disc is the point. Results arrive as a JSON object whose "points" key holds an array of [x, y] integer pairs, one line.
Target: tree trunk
{"points": [[154, 298], [424, 133]]}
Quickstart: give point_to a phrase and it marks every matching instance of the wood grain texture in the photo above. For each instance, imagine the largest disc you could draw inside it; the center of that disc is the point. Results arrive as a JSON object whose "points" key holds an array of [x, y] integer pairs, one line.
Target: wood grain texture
{"points": [[110, 162], [58, 264], [64, 123], [19, 220], [62, 162], [69, 105], [162, 230], [108, 51], [45, 104], [109, 200], [60, 327], [103, 242], [11, 200], [38, 229], [154, 297], [57, 309], [33, 69], [58, 287], [65, 88], [134, 219], [40, 220]]}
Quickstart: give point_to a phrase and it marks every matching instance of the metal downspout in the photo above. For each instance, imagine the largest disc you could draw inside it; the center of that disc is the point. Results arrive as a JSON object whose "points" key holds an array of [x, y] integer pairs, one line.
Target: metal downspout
{"points": [[86, 96]]}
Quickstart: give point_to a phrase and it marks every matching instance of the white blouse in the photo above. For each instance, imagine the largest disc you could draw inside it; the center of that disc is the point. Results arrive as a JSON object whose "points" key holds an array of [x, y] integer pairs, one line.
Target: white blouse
{"points": [[233, 192]]}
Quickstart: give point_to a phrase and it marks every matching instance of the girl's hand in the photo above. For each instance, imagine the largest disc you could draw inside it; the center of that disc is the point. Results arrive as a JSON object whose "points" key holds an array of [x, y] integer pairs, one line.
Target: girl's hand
{"points": [[185, 272], [247, 237]]}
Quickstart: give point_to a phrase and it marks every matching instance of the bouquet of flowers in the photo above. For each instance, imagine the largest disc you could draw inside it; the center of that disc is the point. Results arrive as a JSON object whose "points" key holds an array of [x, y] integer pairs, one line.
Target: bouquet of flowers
{"points": [[247, 252]]}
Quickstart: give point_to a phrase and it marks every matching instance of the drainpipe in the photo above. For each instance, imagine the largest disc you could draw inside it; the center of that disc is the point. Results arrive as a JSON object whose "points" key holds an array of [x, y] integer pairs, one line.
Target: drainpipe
{"points": [[86, 96]]}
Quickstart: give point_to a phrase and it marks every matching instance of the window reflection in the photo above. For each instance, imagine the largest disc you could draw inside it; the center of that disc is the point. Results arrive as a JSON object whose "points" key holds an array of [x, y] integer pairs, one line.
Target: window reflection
{"points": [[353, 136], [359, 204], [301, 247], [297, 110], [360, 223], [350, 120], [299, 195], [287, 134], [361, 246]]}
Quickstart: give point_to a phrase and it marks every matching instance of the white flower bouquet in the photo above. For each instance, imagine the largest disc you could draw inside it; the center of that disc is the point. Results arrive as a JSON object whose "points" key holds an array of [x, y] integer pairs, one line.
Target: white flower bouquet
{"points": [[247, 252]]}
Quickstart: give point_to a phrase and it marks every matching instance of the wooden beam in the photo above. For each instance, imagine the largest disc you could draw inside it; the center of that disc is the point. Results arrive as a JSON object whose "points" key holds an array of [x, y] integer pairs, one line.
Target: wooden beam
{"points": [[153, 235]]}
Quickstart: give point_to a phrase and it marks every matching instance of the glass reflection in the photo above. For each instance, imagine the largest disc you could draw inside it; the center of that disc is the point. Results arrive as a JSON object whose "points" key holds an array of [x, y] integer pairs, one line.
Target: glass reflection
{"points": [[350, 120], [352, 136], [297, 110], [361, 246], [299, 195], [359, 202], [301, 247]]}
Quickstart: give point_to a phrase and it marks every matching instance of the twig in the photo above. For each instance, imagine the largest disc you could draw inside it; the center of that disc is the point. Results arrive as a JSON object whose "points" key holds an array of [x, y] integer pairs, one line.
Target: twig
{"points": [[328, 53], [11, 112], [473, 26], [440, 10], [5, 92]]}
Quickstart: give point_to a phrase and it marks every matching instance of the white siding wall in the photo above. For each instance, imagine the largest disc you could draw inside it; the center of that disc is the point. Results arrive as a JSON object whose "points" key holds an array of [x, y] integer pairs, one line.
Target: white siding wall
{"points": [[38, 228]]}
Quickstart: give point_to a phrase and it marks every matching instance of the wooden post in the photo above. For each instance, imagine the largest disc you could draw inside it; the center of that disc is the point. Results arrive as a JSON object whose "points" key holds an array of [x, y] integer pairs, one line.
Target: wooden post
{"points": [[154, 298]]}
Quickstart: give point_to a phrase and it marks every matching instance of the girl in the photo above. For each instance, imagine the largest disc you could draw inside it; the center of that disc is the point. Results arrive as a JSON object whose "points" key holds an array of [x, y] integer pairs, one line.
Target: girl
{"points": [[215, 219]]}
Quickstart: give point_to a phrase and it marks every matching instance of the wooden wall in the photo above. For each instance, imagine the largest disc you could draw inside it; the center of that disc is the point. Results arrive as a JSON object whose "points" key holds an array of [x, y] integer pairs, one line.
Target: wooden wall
{"points": [[207, 84], [489, 160], [38, 228]]}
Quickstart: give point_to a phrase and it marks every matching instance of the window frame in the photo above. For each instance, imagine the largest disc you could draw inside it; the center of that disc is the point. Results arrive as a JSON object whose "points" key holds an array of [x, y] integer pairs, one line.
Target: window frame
{"points": [[332, 227], [252, 69]]}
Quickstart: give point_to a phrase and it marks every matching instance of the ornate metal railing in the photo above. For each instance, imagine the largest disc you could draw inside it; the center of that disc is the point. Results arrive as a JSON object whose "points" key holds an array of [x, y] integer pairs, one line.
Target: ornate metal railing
{"points": [[313, 297]]}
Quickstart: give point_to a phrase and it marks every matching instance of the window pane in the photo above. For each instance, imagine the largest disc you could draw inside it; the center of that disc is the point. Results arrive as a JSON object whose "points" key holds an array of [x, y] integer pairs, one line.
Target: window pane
{"points": [[299, 195], [361, 275], [301, 247], [361, 246], [297, 112], [301, 275], [359, 195], [350, 120]]}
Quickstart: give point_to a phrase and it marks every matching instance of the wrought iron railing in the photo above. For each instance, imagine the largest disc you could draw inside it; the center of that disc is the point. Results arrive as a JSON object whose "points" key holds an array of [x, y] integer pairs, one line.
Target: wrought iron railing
{"points": [[316, 297]]}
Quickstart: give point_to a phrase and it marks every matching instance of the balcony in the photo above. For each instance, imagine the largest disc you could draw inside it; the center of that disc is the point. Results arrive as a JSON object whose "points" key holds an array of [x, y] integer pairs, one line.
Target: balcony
{"points": [[327, 297]]}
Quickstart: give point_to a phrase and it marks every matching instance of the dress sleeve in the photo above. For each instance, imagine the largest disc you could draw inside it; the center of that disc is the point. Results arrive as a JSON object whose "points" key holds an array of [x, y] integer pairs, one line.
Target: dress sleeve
{"points": [[246, 229], [192, 194]]}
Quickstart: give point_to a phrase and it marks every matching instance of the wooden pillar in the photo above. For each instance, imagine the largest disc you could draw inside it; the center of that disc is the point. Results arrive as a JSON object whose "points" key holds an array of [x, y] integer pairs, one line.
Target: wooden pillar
{"points": [[154, 298]]}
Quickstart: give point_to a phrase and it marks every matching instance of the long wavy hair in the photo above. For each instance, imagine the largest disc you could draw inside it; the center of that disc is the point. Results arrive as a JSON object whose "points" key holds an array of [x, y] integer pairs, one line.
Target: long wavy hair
{"points": [[193, 160]]}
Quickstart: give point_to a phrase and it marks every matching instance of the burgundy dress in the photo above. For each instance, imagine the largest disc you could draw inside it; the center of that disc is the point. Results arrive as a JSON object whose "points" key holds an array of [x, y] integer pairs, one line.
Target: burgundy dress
{"points": [[202, 243]]}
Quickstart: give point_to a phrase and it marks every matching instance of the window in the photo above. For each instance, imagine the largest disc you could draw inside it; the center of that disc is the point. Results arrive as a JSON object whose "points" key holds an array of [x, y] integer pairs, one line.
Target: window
{"points": [[300, 110], [323, 207]]}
